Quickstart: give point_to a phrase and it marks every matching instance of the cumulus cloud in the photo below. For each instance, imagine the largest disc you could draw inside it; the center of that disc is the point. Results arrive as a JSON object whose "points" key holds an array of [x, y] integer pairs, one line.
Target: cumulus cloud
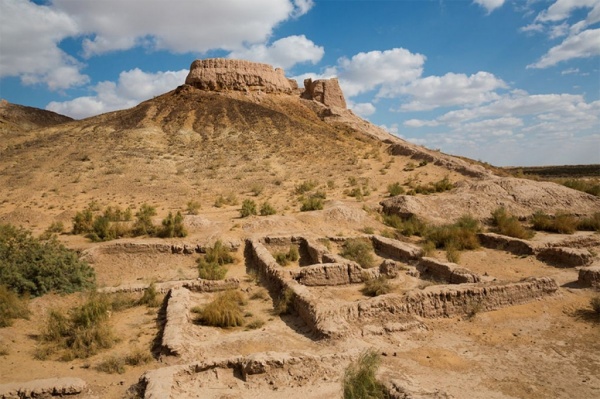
{"points": [[132, 87], [283, 53], [362, 109], [489, 5], [449, 90], [582, 45], [178, 25], [29, 46], [562, 9]]}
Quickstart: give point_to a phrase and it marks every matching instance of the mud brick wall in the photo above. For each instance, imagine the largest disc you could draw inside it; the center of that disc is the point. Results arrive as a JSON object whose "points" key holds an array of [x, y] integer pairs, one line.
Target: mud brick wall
{"points": [[449, 272], [396, 249]]}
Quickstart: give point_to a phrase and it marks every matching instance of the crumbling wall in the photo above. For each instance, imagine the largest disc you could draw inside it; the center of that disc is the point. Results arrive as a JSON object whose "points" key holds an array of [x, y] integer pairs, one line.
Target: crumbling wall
{"points": [[330, 274], [197, 285], [325, 91], [449, 272], [589, 276], [177, 318], [564, 256], [510, 244], [43, 388], [396, 249]]}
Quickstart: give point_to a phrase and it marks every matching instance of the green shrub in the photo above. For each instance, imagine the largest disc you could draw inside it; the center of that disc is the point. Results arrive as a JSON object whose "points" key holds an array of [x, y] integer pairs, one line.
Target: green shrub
{"points": [[121, 301], [443, 185], [376, 286], [459, 236], [248, 208], [30, 265], [224, 311], [312, 204], [293, 254], [267, 209], [284, 259], [211, 266], [172, 226], [143, 224], [11, 307], [359, 378], [560, 223], [116, 214], [395, 189], [359, 250], [82, 333], [83, 221], [281, 258], [509, 225], [56, 227], [305, 187]]}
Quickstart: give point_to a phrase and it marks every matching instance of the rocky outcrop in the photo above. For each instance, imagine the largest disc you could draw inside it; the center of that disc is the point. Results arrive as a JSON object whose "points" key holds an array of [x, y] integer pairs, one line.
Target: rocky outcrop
{"points": [[219, 74], [479, 198], [325, 91], [565, 257], [589, 276], [43, 388], [448, 272]]}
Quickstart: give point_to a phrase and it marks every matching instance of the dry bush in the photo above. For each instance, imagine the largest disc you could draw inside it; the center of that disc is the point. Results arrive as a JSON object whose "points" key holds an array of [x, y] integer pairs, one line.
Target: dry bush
{"points": [[305, 187], [81, 333], [395, 189], [591, 223], [312, 203], [509, 225], [359, 250], [377, 286], [411, 226], [460, 235], [560, 223], [360, 380], [211, 266], [285, 303], [267, 209], [138, 356], [151, 297], [248, 208], [255, 324], [284, 259], [11, 307], [224, 311], [193, 207], [112, 365], [172, 226]]}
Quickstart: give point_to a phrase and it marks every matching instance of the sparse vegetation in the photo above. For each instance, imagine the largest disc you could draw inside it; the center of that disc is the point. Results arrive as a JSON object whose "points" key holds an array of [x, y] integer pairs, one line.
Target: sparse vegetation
{"points": [[587, 186], [33, 266], [359, 250], [559, 223], [143, 224], [193, 207], [312, 204], [285, 303], [229, 199], [305, 187], [211, 266], [81, 333], [591, 223], [112, 365], [436, 187], [360, 380], [248, 208], [458, 236], [377, 286], [284, 259], [150, 298], [509, 225], [408, 226], [395, 189], [11, 307], [137, 357], [267, 209], [255, 324], [224, 311], [172, 226]]}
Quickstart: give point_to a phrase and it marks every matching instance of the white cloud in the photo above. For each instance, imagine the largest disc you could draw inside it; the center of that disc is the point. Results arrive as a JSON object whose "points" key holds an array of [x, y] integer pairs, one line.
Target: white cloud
{"points": [[449, 90], [362, 109], [570, 71], [385, 69], [581, 45], [562, 9], [29, 45], [489, 5], [178, 25], [132, 87], [393, 128], [420, 123], [283, 53]]}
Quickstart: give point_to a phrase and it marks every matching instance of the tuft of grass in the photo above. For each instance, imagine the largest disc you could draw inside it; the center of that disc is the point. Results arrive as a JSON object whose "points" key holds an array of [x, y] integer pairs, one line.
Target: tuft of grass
{"points": [[267, 209], [587, 186], [121, 301], [81, 333], [11, 307], [112, 365], [560, 223], [285, 302], [460, 235], [377, 286], [248, 208], [284, 259], [172, 226], [137, 357], [151, 297], [224, 311], [395, 189], [305, 187], [509, 225], [359, 250], [211, 266], [452, 254], [255, 324], [360, 380], [312, 203], [193, 207], [591, 223], [411, 226]]}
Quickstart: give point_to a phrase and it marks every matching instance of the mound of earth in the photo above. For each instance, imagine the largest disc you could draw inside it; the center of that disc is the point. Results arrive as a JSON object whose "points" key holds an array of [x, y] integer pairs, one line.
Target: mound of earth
{"points": [[479, 198]]}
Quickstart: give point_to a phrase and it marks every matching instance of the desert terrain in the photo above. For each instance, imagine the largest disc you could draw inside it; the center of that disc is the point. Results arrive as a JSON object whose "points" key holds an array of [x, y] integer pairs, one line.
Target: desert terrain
{"points": [[508, 318]]}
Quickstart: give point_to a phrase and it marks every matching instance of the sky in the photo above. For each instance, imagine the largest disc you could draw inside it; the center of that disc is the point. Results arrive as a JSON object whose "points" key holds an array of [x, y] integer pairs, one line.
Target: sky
{"points": [[511, 83]]}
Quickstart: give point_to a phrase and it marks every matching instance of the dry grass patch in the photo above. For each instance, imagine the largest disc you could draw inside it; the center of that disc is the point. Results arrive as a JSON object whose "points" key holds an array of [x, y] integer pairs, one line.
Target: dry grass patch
{"points": [[360, 380], [224, 311], [359, 250]]}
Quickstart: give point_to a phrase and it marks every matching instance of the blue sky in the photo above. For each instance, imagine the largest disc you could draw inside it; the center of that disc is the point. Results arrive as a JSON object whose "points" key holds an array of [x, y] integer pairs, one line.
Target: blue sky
{"points": [[506, 82]]}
